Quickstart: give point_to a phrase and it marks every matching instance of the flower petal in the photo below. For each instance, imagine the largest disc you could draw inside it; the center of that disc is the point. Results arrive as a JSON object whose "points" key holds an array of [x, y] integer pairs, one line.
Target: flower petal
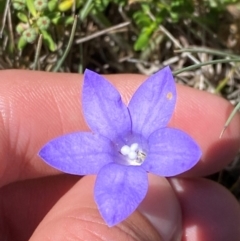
{"points": [[171, 152], [103, 108], [152, 105], [119, 190], [79, 153]]}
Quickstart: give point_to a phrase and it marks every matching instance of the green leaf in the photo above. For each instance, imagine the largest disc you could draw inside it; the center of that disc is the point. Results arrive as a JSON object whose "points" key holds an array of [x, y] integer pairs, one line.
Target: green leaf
{"points": [[62, 20], [23, 17], [21, 43], [141, 42], [56, 20], [143, 20], [143, 38], [31, 8], [68, 20], [174, 16], [48, 40], [101, 5], [52, 5], [53, 15], [145, 7]]}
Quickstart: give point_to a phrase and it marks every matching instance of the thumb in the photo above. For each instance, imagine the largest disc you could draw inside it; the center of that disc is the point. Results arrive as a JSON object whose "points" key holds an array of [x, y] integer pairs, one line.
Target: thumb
{"points": [[76, 217]]}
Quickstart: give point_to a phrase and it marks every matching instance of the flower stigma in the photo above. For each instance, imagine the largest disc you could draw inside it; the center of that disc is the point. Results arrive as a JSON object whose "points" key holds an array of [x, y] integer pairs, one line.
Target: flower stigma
{"points": [[135, 156]]}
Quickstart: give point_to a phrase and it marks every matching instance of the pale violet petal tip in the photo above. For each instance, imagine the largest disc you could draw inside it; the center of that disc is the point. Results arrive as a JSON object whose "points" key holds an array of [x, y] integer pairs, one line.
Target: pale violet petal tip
{"points": [[119, 190], [171, 152], [103, 108], [152, 105], [79, 153]]}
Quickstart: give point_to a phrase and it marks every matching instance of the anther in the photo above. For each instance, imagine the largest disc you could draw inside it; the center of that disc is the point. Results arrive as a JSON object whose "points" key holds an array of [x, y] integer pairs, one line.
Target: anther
{"points": [[125, 150], [134, 147], [132, 155]]}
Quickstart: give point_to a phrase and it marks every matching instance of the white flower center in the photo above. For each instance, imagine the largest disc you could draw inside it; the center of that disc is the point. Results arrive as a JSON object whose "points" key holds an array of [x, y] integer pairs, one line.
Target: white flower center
{"points": [[135, 156]]}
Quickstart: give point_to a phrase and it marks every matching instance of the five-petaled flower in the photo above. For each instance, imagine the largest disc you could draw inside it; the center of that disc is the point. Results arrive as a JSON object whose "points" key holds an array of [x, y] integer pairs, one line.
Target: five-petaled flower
{"points": [[125, 144]]}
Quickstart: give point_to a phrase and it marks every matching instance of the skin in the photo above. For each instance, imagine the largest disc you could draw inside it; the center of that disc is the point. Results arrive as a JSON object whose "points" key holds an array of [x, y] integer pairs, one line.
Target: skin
{"points": [[38, 203]]}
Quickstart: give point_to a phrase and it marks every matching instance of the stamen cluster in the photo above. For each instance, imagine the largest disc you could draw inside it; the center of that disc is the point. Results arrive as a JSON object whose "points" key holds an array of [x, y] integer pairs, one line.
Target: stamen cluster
{"points": [[135, 156]]}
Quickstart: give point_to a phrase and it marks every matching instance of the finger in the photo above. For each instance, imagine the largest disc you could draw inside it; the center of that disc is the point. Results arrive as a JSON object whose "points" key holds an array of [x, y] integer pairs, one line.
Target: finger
{"points": [[210, 212], [76, 217], [24, 204], [36, 107], [203, 115]]}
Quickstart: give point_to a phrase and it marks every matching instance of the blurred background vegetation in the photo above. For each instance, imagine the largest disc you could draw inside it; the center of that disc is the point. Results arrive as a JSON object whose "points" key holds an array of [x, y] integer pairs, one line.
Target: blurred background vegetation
{"points": [[130, 36]]}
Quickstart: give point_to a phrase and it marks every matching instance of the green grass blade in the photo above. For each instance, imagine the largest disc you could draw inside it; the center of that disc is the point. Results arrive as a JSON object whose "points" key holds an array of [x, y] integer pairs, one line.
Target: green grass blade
{"points": [[38, 50], [85, 10], [207, 51], [31, 8], [60, 62], [195, 66], [4, 18], [233, 113]]}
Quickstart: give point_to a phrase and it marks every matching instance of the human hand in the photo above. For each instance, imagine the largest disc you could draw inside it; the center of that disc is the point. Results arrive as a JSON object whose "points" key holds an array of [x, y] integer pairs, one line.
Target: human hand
{"points": [[36, 107]]}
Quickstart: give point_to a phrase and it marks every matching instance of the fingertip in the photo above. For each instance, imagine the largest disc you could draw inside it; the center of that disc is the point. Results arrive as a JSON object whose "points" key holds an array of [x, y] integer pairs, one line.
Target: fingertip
{"points": [[162, 208], [76, 216], [210, 212], [203, 115]]}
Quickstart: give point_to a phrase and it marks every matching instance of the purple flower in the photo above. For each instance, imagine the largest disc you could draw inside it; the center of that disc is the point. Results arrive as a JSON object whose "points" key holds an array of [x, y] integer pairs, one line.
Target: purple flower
{"points": [[125, 143]]}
